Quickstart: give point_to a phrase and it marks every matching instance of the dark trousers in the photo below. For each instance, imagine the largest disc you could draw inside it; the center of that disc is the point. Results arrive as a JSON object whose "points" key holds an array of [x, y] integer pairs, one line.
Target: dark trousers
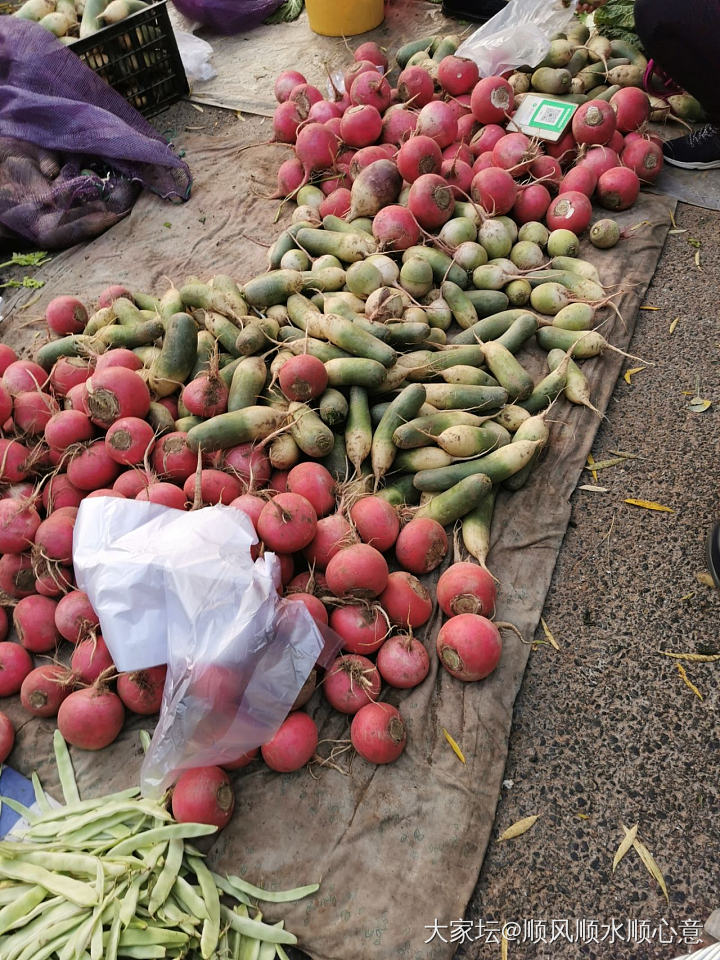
{"points": [[683, 37]]}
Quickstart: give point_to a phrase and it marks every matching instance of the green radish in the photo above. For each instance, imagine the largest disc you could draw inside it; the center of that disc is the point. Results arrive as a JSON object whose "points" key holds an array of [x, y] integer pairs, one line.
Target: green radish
{"points": [[136, 336], [308, 431], [321, 263], [490, 276], [457, 501], [224, 330], [447, 46], [283, 452], [362, 225], [347, 247], [578, 286], [328, 280], [226, 372], [118, 10], [469, 210], [169, 304], [247, 383], [57, 23], [403, 408], [520, 82], [576, 385], [273, 396], [423, 364], [547, 390], [562, 243], [194, 293], [559, 53], [489, 328], [273, 287], [501, 435], [575, 265], [450, 396], [510, 226], [527, 255], [355, 372], [535, 232], [403, 335], [511, 416], [101, 318], [517, 293], [535, 428], [416, 276], [460, 306], [177, 357], [578, 32], [382, 305], [300, 309], [256, 335], [348, 336], [295, 260], [415, 315], [149, 356], [422, 431], [466, 441], [495, 237], [358, 428], [549, 298], [438, 314], [575, 316], [230, 429], [160, 418], [389, 270], [90, 22], [336, 462], [298, 342], [577, 62], [436, 337], [469, 255], [400, 492], [363, 278], [519, 333], [126, 312], [395, 378], [34, 9], [458, 230], [442, 266], [422, 458], [498, 465], [280, 358], [185, 424], [604, 234], [279, 313], [70, 346], [463, 373], [550, 80], [631, 75], [333, 407], [476, 529], [310, 196], [598, 48], [507, 371], [582, 344], [414, 46], [286, 241]]}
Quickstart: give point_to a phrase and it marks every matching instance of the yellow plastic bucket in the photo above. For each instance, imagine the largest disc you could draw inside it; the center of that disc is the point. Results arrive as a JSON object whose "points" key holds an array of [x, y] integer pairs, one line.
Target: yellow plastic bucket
{"points": [[344, 18]]}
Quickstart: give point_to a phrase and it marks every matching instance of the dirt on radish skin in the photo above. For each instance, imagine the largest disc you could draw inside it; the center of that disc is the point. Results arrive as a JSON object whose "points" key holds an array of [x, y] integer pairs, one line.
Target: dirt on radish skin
{"points": [[378, 733], [203, 795], [293, 745], [358, 571], [466, 588], [91, 718], [403, 661], [469, 646], [303, 378], [376, 522], [18, 524], [405, 600], [45, 688], [114, 393], [363, 627], [129, 440], [287, 523], [350, 682], [421, 545]]}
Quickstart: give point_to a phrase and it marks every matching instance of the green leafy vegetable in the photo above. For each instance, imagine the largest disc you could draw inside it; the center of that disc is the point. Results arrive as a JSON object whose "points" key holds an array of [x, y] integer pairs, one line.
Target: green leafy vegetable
{"points": [[616, 21], [27, 282], [286, 12], [36, 259]]}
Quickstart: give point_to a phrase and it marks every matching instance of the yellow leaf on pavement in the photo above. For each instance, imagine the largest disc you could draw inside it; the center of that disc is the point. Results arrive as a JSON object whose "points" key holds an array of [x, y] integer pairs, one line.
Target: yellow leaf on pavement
{"points": [[629, 373], [453, 744], [692, 657], [518, 828], [687, 681], [625, 845], [550, 638], [705, 578], [649, 505], [649, 861]]}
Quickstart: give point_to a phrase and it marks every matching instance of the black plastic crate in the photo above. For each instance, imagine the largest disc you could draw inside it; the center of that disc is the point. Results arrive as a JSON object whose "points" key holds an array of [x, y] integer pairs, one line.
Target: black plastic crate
{"points": [[477, 10], [139, 58]]}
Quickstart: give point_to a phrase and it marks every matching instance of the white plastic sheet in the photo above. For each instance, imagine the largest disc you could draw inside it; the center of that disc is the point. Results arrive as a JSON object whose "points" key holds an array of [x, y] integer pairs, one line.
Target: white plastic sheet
{"points": [[518, 35]]}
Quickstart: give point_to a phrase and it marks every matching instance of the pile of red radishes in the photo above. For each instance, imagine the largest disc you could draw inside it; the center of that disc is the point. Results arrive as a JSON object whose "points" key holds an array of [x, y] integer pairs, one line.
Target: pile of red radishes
{"points": [[445, 138]]}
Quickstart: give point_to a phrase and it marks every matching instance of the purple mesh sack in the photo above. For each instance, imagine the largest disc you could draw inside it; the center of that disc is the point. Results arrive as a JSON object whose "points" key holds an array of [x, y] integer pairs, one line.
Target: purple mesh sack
{"points": [[74, 154], [227, 16]]}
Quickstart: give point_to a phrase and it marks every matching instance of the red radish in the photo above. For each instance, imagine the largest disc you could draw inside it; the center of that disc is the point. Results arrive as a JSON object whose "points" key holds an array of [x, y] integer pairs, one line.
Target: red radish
{"points": [[17, 577], [32, 409], [45, 688], [306, 690], [286, 120], [77, 398], [67, 427], [378, 733], [286, 83], [116, 392], [34, 620], [361, 125], [514, 152], [304, 95], [492, 100], [546, 169], [350, 682], [242, 761], [15, 664], [14, 457], [618, 189], [531, 203], [278, 481], [24, 375], [632, 108], [376, 522], [65, 315], [131, 482], [372, 88], [580, 178], [166, 494], [110, 294], [142, 691], [53, 537], [173, 458], [337, 203], [469, 646], [483, 162], [643, 157], [374, 188], [373, 52], [316, 484], [355, 69], [7, 356], [4, 625], [128, 440], [119, 357], [53, 580], [68, 372], [316, 148], [457, 75], [437, 120], [617, 140], [7, 737], [363, 627], [395, 228], [6, 403], [331, 535], [458, 151], [563, 150], [293, 745], [340, 180], [486, 138], [303, 378], [398, 125], [405, 600], [250, 505], [59, 493], [431, 201], [287, 568], [216, 486], [90, 658], [601, 159], [313, 605], [308, 582], [418, 156], [403, 661], [19, 521], [416, 87], [359, 570], [287, 523], [364, 157], [593, 122], [466, 588], [458, 175], [467, 128], [569, 211], [91, 718], [421, 545], [92, 466], [22, 491], [290, 177], [206, 396], [247, 462], [495, 190], [75, 618]]}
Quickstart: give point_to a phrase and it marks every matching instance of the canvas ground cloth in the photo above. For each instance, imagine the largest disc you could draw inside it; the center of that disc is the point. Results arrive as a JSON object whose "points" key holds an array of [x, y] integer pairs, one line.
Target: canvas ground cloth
{"points": [[393, 847]]}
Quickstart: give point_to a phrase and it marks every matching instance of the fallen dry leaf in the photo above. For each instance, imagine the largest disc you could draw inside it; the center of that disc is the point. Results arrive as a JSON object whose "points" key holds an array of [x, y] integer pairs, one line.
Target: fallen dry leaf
{"points": [[503, 946], [687, 596], [692, 657], [453, 744], [687, 681], [604, 464], [582, 816], [699, 405], [649, 308], [627, 377], [625, 845], [518, 828], [705, 578], [592, 488], [649, 861], [649, 505], [627, 456], [673, 324], [546, 630], [591, 461]]}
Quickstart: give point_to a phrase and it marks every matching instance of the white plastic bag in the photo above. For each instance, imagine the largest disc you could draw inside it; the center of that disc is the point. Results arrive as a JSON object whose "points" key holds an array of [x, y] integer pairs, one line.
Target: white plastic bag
{"points": [[195, 54], [518, 35]]}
